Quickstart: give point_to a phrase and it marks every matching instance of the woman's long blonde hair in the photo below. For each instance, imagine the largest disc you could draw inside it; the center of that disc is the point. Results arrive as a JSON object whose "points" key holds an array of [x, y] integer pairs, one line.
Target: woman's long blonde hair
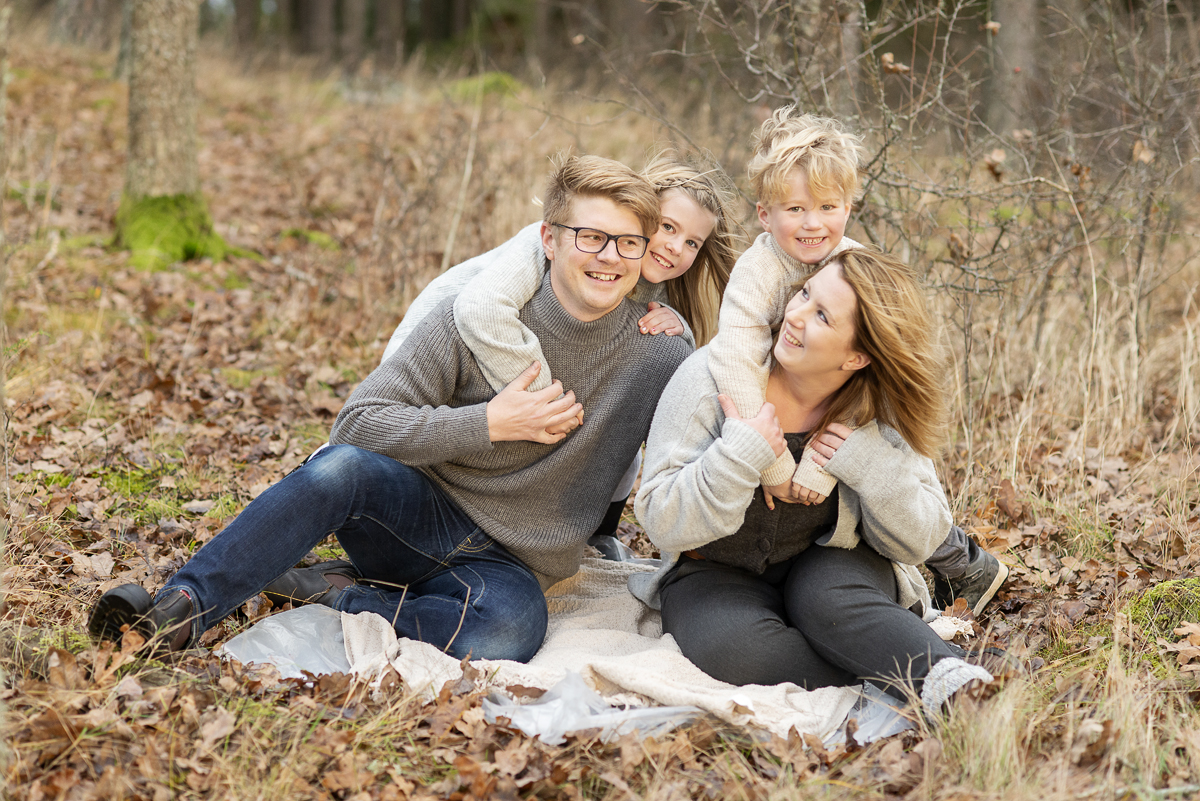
{"points": [[697, 293], [904, 385]]}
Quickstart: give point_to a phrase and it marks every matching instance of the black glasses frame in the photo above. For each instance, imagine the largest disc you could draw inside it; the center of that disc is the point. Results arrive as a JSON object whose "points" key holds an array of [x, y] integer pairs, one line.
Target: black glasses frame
{"points": [[645, 241]]}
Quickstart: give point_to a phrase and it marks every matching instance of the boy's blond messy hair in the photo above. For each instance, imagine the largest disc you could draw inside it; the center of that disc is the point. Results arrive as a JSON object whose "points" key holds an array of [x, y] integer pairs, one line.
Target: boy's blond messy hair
{"points": [[595, 176], [827, 154]]}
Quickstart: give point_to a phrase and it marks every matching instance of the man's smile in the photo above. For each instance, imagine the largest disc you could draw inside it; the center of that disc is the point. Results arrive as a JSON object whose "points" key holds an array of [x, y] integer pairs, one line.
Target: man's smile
{"points": [[606, 277]]}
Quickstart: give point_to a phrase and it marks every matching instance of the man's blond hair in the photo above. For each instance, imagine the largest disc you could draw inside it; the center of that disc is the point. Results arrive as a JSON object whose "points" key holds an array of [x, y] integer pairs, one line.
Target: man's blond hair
{"points": [[594, 176], [826, 154]]}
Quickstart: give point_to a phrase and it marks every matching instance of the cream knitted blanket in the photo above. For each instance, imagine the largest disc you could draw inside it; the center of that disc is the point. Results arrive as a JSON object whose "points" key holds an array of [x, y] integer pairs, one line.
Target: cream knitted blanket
{"points": [[598, 629]]}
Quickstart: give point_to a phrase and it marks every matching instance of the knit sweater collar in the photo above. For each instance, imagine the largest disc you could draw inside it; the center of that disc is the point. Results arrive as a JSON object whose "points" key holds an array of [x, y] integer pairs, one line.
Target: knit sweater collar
{"points": [[558, 322], [794, 266]]}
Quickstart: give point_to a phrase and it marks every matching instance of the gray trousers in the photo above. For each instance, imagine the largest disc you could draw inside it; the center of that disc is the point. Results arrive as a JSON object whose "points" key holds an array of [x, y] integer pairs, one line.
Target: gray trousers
{"points": [[828, 617]]}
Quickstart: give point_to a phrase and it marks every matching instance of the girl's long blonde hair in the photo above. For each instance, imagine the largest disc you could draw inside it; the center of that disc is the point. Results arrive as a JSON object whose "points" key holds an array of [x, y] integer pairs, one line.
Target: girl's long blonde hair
{"points": [[697, 293], [904, 385]]}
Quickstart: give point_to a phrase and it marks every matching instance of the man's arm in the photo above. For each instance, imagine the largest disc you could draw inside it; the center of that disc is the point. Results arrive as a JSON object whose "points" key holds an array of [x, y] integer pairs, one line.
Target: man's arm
{"points": [[403, 408]]}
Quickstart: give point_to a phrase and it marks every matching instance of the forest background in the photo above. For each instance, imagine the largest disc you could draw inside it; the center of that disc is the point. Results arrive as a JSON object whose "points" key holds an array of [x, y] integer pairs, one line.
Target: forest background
{"points": [[1035, 161]]}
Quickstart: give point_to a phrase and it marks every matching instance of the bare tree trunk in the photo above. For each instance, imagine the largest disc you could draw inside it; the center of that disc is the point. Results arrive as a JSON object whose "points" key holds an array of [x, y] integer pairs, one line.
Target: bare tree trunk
{"points": [[163, 217], [1014, 63], [354, 33], [317, 27], [162, 99], [539, 46], [86, 21], [285, 21], [460, 17], [851, 29], [433, 21], [121, 71], [389, 32], [247, 14]]}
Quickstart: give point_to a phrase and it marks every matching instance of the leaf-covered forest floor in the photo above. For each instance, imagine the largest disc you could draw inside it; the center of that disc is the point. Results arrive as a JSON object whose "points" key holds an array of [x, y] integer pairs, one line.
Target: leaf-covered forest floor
{"points": [[145, 409]]}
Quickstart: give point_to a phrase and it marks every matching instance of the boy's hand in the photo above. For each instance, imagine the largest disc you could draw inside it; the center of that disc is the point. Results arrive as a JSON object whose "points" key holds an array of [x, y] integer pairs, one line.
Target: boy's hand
{"points": [[517, 414], [660, 319], [766, 423]]}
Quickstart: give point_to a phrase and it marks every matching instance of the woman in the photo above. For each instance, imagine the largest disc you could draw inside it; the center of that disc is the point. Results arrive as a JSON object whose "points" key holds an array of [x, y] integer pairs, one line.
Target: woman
{"points": [[825, 594]]}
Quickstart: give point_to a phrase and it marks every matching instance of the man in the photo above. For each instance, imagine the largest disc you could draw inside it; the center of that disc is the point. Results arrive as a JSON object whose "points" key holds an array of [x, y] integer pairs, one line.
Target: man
{"points": [[454, 509]]}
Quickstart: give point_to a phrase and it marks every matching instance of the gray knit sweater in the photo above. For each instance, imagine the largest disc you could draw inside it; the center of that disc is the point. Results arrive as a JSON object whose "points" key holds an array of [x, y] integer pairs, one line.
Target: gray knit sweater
{"points": [[426, 406], [701, 471]]}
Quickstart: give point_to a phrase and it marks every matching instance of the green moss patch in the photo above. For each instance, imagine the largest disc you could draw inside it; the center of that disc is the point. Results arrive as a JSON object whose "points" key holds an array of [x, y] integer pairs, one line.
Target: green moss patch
{"points": [[1161, 608], [488, 83], [321, 240], [160, 231]]}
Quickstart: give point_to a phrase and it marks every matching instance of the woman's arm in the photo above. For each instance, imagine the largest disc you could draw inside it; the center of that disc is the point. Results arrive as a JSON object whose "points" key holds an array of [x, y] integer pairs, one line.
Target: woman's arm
{"points": [[701, 469], [903, 509], [487, 311]]}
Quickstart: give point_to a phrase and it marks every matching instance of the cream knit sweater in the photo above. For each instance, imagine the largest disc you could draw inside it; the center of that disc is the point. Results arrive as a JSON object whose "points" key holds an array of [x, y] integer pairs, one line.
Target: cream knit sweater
{"points": [[760, 287]]}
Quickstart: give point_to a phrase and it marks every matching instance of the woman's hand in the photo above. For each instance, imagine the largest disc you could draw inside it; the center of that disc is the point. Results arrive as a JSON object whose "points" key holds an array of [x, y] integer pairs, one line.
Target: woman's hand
{"points": [[826, 445], [766, 423], [784, 492], [660, 319]]}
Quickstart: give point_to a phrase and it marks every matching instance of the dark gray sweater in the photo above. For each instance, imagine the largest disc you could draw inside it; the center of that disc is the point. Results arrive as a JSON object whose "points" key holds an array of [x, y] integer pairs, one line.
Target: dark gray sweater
{"points": [[426, 406]]}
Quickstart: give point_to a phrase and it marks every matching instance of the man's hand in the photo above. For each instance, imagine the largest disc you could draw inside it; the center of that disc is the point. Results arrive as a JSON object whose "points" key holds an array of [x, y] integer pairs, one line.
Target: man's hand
{"points": [[660, 319], [516, 414], [766, 423]]}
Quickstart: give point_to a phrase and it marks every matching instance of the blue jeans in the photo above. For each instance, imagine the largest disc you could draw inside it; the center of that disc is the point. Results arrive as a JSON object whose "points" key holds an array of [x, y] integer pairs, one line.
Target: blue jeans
{"points": [[439, 578]]}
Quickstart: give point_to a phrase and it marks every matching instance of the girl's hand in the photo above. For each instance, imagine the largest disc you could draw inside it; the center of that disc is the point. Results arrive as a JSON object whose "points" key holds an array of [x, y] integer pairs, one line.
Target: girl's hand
{"points": [[660, 319], [826, 445]]}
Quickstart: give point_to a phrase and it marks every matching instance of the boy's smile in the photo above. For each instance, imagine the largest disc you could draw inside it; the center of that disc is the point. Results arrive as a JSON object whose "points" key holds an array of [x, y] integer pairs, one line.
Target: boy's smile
{"points": [[806, 227]]}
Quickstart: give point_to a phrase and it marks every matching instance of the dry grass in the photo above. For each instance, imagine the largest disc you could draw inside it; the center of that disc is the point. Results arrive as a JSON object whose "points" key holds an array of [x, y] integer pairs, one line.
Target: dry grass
{"points": [[206, 383]]}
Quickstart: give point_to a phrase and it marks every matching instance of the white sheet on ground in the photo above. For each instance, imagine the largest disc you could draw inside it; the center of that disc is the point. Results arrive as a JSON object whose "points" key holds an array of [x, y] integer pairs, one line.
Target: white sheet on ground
{"points": [[597, 629]]}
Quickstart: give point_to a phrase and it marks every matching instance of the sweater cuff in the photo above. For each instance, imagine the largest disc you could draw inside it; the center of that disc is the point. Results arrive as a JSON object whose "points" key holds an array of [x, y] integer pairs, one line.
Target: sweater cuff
{"points": [[742, 439], [863, 452], [781, 470], [812, 476]]}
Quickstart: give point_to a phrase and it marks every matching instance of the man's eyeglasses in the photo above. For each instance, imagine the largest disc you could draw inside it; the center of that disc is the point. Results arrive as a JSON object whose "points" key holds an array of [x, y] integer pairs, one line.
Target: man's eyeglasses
{"points": [[593, 240]]}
